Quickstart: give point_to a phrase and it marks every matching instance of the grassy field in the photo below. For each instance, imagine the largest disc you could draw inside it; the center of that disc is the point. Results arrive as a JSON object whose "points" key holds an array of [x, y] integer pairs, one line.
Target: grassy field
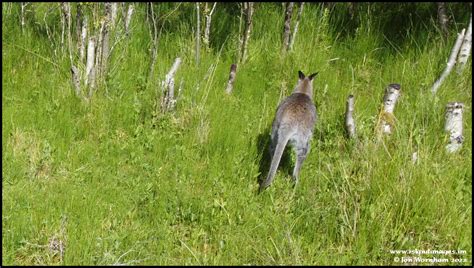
{"points": [[108, 182]]}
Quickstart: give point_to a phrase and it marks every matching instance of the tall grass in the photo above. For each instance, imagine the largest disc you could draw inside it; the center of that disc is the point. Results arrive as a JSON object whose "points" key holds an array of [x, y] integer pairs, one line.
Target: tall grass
{"points": [[109, 182]]}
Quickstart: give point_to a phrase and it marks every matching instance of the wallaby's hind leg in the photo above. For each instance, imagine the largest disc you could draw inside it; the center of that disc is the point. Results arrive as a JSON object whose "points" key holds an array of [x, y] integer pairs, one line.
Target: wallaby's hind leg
{"points": [[302, 150]]}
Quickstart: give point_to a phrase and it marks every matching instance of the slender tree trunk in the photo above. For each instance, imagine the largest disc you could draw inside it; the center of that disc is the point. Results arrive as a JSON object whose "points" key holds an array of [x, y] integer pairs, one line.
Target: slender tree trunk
{"points": [[198, 33], [450, 64], [98, 53], [465, 50], [350, 122], [241, 33], [90, 74], [248, 28], [295, 30], [23, 11], [63, 25], [453, 125], [230, 83], [442, 17], [106, 38], [352, 9], [113, 13], [207, 29], [76, 80], [66, 8], [82, 43], [167, 88], [79, 22], [287, 26], [128, 18], [392, 92], [154, 37]]}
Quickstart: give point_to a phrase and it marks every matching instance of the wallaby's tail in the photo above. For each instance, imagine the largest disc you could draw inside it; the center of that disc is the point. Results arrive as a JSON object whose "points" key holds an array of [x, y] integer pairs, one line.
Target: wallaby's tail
{"points": [[280, 147]]}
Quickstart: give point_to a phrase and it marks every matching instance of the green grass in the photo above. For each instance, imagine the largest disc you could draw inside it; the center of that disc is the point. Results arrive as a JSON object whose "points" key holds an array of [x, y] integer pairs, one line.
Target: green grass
{"points": [[112, 184]]}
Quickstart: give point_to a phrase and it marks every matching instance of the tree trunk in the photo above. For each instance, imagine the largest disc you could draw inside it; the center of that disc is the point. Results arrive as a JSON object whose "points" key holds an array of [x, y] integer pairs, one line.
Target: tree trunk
{"points": [[442, 17], [154, 37], [167, 88], [113, 13], [128, 18], [465, 50], [76, 80], [105, 39], [295, 30], [82, 44], [453, 125], [450, 64], [207, 30], [392, 92], [66, 7], [248, 6], [198, 33], [350, 122], [90, 74], [287, 26], [352, 9], [230, 83]]}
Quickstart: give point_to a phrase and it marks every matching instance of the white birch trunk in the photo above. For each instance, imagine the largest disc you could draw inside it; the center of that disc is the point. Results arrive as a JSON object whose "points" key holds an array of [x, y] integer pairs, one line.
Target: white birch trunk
{"points": [[230, 82], [450, 64], [295, 30], [350, 122], [207, 30], [22, 19], [113, 13], [63, 24], [287, 26], [89, 77], [76, 80], [465, 50], [442, 17], [67, 14], [392, 92], [128, 18], [105, 39], [167, 88], [453, 125], [248, 29], [82, 44], [198, 33], [241, 34], [154, 37]]}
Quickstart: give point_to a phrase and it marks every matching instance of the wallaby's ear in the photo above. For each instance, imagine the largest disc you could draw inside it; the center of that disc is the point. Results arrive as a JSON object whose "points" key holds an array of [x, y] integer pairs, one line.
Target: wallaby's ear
{"points": [[301, 75], [312, 76]]}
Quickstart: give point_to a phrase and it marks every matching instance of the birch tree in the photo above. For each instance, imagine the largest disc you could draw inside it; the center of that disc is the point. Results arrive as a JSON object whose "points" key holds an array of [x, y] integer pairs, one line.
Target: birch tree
{"points": [[349, 118], [442, 17], [287, 26], [387, 119], [168, 100], [198, 33], [295, 29], [230, 82], [450, 63], [154, 38], [453, 126], [207, 29], [248, 11], [465, 50]]}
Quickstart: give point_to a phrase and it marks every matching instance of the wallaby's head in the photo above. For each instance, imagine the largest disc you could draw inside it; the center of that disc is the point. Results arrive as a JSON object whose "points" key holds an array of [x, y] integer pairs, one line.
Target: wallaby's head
{"points": [[305, 84]]}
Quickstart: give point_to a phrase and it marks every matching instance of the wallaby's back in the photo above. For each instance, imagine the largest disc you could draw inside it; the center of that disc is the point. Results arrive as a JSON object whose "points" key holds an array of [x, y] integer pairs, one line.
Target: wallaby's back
{"points": [[297, 112]]}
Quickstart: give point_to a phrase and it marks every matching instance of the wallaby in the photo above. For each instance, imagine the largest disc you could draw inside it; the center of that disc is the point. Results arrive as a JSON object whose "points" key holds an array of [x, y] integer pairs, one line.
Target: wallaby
{"points": [[294, 123]]}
